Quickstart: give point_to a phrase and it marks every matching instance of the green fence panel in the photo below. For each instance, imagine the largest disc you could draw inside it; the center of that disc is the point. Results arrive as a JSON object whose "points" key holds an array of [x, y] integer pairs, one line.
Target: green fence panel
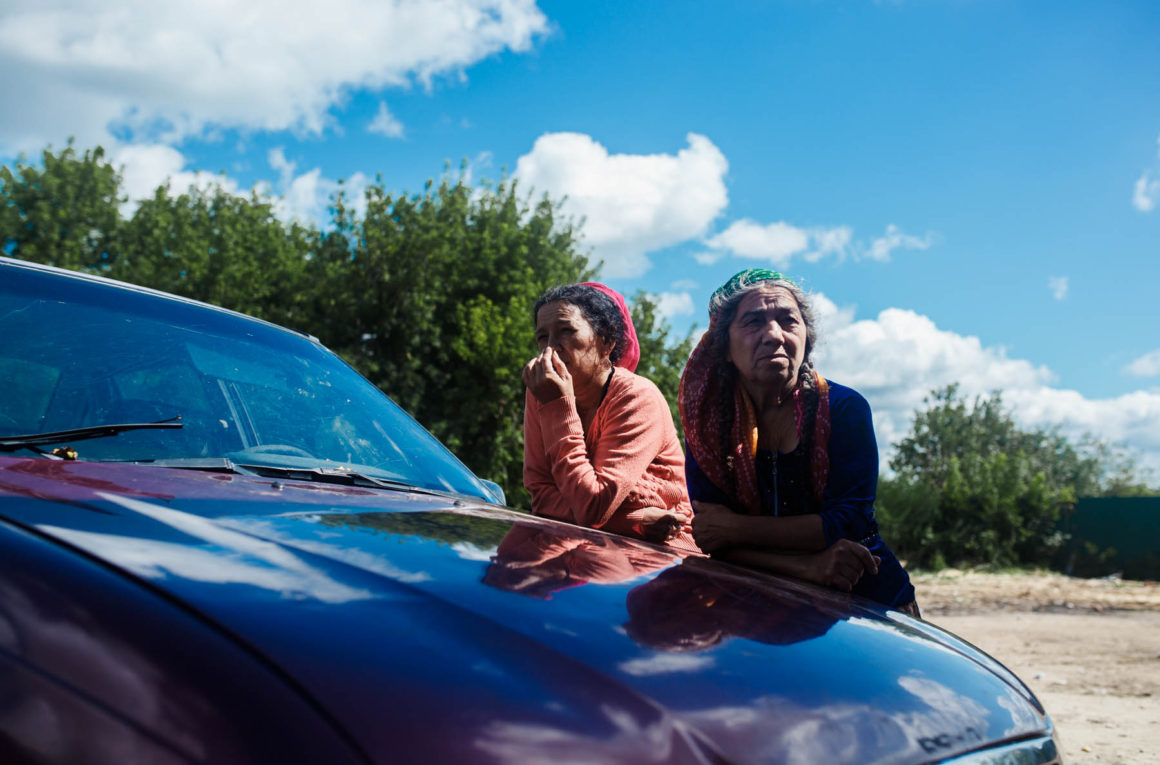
{"points": [[1110, 535]]}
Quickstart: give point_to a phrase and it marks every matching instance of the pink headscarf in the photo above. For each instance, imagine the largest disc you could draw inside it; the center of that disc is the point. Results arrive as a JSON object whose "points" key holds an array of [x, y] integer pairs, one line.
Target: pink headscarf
{"points": [[630, 356]]}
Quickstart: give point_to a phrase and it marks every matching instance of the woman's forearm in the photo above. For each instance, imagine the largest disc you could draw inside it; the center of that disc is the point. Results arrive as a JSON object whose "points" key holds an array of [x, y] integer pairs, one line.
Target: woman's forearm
{"points": [[839, 566], [795, 533], [787, 563]]}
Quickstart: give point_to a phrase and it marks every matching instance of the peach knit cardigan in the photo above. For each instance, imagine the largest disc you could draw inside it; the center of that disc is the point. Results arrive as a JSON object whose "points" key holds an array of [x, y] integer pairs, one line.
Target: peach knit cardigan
{"points": [[630, 459]]}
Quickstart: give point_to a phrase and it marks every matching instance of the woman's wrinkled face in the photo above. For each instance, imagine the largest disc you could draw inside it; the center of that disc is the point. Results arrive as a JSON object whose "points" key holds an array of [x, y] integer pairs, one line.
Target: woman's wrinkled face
{"points": [[562, 326], [767, 338]]}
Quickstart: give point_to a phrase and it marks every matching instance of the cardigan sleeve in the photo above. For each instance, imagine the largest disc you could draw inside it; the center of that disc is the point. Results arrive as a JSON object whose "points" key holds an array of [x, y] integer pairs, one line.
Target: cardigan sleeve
{"points": [[848, 502], [568, 482], [546, 497]]}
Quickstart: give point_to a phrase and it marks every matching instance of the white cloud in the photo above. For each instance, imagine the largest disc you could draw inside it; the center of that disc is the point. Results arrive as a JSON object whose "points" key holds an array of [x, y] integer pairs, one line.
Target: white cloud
{"points": [[685, 284], [240, 557], [304, 197], [709, 257], [155, 559], [893, 239], [1058, 286], [385, 123], [1147, 365], [1147, 189], [144, 167], [897, 358], [830, 318], [665, 664], [1146, 192], [775, 242], [780, 242], [471, 551], [632, 204], [165, 70], [671, 304], [829, 241]]}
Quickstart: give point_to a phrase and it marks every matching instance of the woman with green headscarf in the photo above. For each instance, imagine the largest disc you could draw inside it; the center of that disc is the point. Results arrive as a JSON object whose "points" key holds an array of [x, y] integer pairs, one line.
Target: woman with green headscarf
{"points": [[782, 464]]}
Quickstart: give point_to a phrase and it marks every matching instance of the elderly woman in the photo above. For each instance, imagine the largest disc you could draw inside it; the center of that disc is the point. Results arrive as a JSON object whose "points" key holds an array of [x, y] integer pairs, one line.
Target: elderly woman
{"points": [[600, 447], [782, 464]]}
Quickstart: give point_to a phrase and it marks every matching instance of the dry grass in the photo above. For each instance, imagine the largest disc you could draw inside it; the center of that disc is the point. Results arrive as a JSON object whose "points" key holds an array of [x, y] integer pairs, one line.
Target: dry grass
{"points": [[954, 591]]}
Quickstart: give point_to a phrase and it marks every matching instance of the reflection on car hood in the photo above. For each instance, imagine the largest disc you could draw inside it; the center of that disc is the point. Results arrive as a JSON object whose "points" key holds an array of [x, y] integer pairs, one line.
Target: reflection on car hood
{"points": [[441, 630]]}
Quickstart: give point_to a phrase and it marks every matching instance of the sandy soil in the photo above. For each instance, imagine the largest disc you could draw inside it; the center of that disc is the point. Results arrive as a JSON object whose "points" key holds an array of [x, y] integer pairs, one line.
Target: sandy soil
{"points": [[1088, 648]]}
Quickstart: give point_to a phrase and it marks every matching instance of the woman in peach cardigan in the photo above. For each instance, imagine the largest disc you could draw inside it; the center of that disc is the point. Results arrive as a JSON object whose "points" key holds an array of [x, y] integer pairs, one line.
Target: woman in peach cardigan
{"points": [[600, 447]]}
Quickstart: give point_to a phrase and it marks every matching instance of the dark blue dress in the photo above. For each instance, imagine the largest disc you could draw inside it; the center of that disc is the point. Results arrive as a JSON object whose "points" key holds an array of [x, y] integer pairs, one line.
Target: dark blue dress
{"points": [[847, 509]]}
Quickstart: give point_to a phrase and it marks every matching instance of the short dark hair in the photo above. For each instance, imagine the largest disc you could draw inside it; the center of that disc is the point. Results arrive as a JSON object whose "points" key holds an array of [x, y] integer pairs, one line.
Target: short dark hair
{"points": [[598, 310]]}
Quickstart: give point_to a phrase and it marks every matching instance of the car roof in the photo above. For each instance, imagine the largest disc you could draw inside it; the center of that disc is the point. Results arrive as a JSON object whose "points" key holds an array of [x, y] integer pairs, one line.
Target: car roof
{"points": [[114, 283]]}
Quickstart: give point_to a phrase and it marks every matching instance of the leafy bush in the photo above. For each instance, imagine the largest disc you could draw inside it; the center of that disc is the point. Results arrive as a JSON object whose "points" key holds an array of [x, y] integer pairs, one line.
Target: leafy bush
{"points": [[969, 487]]}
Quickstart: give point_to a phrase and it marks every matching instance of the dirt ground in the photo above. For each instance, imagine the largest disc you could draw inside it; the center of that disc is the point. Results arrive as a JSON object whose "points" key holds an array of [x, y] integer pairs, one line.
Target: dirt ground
{"points": [[1088, 648]]}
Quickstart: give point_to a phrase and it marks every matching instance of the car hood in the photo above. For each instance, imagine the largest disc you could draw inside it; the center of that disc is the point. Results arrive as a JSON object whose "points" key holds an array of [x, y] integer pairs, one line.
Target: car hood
{"points": [[441, 629]]}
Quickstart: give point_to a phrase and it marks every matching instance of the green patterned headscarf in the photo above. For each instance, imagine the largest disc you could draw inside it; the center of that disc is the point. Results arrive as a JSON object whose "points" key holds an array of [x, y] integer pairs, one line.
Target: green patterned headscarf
{"points": [[740, 281]]}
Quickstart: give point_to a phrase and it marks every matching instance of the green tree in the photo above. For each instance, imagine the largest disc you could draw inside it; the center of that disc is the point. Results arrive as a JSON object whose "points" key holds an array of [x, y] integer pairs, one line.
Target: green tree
{"points": [[972, 487], [661, 359], [430, 297], [220, 248], [62, 212]]}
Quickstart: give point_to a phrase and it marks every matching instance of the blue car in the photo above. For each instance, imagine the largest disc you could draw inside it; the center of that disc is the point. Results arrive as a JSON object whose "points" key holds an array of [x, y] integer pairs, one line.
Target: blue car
{"points": [[220, 544]]}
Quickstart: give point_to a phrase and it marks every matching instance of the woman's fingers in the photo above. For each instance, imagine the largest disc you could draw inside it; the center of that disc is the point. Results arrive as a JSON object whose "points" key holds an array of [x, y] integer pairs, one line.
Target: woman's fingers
{"points": [[663, 526], [845, 562], [534, 365], [530, 371], [866, 561], [557, 364], [704, 538], [708, 532], [543, 378]]}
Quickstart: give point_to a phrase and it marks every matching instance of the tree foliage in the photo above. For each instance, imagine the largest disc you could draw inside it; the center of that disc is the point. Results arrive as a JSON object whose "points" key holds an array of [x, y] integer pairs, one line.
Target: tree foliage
{"points": [[970, 487], [661, 359], [428, 295], [63, 211], [220, 248]]}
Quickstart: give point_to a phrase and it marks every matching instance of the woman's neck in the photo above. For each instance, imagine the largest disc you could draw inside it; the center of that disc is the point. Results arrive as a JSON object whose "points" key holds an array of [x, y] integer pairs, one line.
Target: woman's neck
{"points": [[589, 396], [776, 419], [767, 400]]}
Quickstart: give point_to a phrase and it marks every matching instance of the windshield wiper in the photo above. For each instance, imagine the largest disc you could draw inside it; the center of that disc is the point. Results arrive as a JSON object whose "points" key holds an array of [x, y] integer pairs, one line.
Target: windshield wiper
{"points": [[32, 440], [340, 476], [203, 464]]}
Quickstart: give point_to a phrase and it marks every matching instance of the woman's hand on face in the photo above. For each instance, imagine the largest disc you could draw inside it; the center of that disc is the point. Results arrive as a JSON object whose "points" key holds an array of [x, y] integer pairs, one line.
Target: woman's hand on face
{"points": [[841, 565], [659, 525], [714, 527], [547, 377]]}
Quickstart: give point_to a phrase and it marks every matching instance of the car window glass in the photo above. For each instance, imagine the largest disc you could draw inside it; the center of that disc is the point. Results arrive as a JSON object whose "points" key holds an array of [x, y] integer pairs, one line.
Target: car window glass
{"points": [[28, 389], [78, 355]]}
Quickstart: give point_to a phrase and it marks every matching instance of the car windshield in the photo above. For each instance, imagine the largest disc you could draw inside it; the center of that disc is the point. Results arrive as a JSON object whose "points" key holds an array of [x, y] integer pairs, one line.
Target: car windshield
{"points": [[76, 353]]}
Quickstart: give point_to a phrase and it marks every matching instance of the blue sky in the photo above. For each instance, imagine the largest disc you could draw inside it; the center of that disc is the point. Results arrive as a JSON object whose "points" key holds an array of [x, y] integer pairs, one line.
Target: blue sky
{"points": [[969, 187]]}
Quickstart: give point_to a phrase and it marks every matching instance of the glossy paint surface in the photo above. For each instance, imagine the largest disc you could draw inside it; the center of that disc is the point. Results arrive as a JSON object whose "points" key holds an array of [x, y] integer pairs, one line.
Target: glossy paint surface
{"points": [[434, 629]]}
